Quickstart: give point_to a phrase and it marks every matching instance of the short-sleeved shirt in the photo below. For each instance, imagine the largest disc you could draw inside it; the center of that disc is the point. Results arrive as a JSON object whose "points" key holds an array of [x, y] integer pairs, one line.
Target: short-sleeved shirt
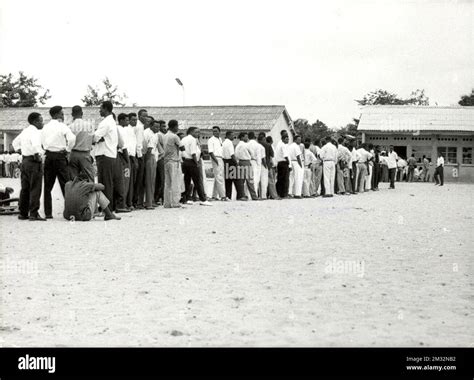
{"points": [[227, 149], [242, 151], [190, 147], [171, 143], [294, 151], [214, 145]]}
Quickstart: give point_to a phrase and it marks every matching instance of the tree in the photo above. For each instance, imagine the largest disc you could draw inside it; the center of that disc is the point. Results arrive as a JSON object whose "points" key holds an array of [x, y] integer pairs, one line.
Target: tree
{"points": [[350, 129], [24, 91], [94, 97], [381, 97], [467, 100], [317, 130]]}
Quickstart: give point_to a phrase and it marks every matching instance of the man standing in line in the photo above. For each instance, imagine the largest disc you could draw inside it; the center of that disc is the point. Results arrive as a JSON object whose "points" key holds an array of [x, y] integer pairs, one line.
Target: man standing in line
{"points": [[107, 140], [172, 172], [160, 164], [267, 154], [272, 190], [376, 170], [354, 172], [122, 168], [343, 158], [329, 156], [364, 157], [150, 142], [191, 169], [58, 141], [317, 168], [244, 169], [132, 155], [297, 168], [80, 160], [309, 161], [426, 168], [256, 160], [439, 171], [214, 145], [139, 189], [392, 159], [29, 143], [230, 164], [283, 166], [411, 167]]}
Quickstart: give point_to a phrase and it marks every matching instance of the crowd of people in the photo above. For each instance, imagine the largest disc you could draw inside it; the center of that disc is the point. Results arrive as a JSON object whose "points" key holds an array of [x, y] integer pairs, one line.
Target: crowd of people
{"points": [[143, 163], [9, 164]]}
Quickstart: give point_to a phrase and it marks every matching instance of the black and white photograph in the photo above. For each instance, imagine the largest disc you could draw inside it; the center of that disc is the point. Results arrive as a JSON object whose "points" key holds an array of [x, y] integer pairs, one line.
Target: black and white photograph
{"points": [[237, 174]]}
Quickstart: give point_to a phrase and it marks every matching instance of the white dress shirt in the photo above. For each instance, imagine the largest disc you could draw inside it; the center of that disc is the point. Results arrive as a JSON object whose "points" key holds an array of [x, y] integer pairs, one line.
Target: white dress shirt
{"points": [[294, 151], [29, 141], [139, 130], [281, 151], [227, 149], [262, 153], [440, 161], [355, 156], [150, 140], [242, 151], [108, 130], [214, 145], [364, 155], [124, 138], [392, 158], [131, 140], [254, 150], [329, 152], [344, 155], [190, 147], [309, 158], [57, 136]]}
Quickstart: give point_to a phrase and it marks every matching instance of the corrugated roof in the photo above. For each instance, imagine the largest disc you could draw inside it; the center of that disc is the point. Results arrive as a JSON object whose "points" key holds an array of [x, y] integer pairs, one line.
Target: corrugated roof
{"points": [[204, 117], [416, 118]]}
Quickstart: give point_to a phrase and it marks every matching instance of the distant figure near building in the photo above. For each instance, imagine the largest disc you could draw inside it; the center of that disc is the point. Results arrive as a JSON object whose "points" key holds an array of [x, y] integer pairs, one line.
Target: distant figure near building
{"points": [[426, 169], [411, 168], [439, 171], [392, 159]]}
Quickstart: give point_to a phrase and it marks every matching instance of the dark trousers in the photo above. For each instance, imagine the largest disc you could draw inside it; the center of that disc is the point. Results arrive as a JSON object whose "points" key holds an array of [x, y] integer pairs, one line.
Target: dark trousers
{"points": [[283, 178], [150, 174], [55, 166], [391, 176], [411, 174], [354, 177], [245, 175], [133, 175], [105, 173], [31, 185], [439, 173], [159, 180], [191, 172], [81, 162], [375, 176], [139, 186], [119, 182], [230, 176]]}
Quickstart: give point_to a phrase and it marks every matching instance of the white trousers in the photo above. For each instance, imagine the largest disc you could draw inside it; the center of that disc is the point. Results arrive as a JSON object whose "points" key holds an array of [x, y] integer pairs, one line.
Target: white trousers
{"points": [[257, 172], [329, 172], [307, 182], [264, 183], [218, 171], [298, 178]]}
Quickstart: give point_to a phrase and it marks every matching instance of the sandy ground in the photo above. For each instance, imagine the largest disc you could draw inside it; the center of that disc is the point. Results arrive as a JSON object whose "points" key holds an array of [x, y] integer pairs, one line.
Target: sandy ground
{"points": [[391, 268]]}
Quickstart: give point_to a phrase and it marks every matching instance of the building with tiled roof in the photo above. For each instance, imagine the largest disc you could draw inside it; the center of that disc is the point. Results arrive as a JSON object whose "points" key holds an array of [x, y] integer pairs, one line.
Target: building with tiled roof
{"points": [[424, 130]]}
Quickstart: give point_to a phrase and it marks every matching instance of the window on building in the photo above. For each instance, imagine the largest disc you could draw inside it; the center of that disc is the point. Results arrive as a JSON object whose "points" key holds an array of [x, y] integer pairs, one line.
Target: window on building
{"points": [[449, 153], [467, 156]]}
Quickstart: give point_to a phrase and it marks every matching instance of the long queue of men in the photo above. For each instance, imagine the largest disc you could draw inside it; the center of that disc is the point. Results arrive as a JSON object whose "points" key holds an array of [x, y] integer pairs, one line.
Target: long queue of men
{"points": [[143, 163]]}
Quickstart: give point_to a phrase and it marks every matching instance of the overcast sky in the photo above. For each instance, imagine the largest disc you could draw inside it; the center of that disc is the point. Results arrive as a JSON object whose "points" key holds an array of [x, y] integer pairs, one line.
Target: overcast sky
{"points": [[315, 57]]}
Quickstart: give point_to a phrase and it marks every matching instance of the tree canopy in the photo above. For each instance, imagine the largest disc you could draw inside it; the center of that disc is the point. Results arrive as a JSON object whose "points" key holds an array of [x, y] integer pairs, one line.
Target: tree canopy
{"points": [[382, 97], [95, 96], [23, 91], [467, 100]]}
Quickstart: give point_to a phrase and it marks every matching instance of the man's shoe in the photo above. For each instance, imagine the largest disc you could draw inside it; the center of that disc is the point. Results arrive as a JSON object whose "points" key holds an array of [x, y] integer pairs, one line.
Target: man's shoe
{"points": [[297, 197], [112, 217], [155, 205], [205, 203], [23, 217], [37, 217], [189, 202], [225, 199], [139, 207], [49, 217], [242, 199], [149, 208], [119, 210]]}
